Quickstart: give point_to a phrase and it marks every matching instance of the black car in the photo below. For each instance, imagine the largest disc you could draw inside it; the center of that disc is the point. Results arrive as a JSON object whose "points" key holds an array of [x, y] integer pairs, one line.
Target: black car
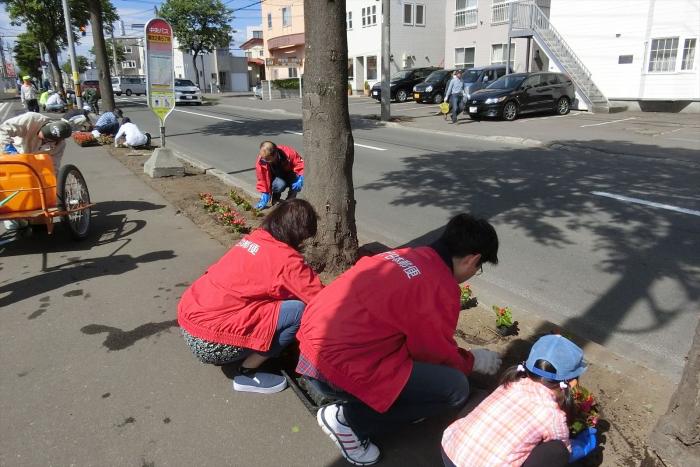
{"points": [[402, 83], [520, 93], [432, 90]]}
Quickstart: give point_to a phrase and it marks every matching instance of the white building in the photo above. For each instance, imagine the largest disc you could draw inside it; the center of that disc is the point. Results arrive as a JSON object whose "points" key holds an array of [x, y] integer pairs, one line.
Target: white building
{"points": [[218, 72], [417, 37]]}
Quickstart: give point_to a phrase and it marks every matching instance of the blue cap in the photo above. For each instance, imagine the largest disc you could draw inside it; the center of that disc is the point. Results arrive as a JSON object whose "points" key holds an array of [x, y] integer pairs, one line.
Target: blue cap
{"points": [[563, 354]]}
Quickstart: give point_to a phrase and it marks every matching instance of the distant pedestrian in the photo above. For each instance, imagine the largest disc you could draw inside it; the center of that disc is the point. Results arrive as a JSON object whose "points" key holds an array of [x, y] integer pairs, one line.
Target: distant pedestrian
{"points": [[54, 103], [28, 95], [92, 99], [454, 94], [108, 123], [278, 168], [132, 136]]}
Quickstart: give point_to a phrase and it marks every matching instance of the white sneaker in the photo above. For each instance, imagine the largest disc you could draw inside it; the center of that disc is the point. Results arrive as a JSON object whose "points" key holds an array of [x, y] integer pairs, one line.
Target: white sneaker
{"points": [[354, 450]]}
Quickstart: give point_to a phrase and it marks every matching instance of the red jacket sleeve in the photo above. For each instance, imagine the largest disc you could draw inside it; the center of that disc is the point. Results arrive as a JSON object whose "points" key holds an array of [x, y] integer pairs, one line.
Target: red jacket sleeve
{"points": [[294, 158], [262, 174], [301, 281]]}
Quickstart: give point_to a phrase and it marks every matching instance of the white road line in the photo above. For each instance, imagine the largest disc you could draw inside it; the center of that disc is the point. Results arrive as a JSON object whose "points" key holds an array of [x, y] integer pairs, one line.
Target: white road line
{"points": [[611, 121], [412, 108], [647, 203], [210, 116], [4, 110], [356, 144]]}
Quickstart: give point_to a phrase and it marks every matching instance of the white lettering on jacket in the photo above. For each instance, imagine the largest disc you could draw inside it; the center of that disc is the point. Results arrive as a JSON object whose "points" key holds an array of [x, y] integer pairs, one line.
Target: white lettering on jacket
{"points": [[248, 245], [410, 269]]}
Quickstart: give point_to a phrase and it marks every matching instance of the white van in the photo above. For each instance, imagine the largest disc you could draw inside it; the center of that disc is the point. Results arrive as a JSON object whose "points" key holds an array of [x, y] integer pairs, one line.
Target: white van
{"points": [[128, 85]]}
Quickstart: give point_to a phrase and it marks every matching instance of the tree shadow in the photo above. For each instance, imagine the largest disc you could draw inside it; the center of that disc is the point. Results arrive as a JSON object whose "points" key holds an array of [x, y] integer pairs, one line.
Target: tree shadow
{"points": [[117, 339]]}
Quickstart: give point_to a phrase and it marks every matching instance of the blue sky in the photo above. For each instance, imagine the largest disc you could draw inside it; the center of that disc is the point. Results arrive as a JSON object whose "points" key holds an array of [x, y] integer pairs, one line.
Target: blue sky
{"points": [[140, 11]]}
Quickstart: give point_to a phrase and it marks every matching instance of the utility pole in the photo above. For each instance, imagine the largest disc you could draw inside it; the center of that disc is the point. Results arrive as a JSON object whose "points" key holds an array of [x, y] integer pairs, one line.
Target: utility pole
{"points": [[3, 72], [73, 61], [386, 58]]}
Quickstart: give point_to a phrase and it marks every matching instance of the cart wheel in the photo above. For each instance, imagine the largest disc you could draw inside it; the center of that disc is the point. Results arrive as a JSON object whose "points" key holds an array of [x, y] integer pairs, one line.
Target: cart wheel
{"points": [[73, 193]]}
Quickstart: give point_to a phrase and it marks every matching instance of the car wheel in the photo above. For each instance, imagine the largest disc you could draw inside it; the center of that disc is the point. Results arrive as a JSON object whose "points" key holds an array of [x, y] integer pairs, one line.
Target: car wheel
{"points": [[118, 93], [128, 92], [401, 95], [510, 111], [438, 98], [563, 106]]}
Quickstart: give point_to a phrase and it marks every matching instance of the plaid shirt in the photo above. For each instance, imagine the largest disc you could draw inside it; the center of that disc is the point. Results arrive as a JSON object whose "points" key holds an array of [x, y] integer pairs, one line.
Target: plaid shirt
{"points": [[505, 428], [306, 368]]}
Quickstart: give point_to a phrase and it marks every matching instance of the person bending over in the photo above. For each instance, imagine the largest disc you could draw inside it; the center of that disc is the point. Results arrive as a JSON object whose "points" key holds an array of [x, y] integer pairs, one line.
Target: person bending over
{"points": [[278, 168]]}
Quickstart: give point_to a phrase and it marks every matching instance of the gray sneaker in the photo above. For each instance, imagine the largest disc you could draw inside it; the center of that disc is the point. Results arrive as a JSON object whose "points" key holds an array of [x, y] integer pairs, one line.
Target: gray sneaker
{"points": [[263, 383]]}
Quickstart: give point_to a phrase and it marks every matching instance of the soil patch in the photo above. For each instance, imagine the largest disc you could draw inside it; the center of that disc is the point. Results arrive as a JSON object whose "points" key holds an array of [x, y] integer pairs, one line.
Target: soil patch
{"points": [[631, 397]]}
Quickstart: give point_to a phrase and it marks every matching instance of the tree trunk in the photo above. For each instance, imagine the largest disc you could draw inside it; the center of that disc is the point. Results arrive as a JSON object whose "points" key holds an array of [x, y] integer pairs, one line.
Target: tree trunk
{"points": [[328, 142], [196, 70], [675, 440], [98, 39], [55, 69]]}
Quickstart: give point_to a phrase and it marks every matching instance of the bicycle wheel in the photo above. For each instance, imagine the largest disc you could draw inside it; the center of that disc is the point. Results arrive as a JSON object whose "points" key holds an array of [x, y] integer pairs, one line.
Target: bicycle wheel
{"points": [[73, 194]]}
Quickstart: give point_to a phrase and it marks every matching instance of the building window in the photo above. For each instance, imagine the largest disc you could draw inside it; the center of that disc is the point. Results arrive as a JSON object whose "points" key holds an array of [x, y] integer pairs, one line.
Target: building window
{"points": [[257, 35], [249, 54], [261, 53], [286, 16], [500, 11], [499, 52], [351, 69], [128, 64], [465, 13], [464, 57], [269, 21], [688, 61], [372, 67], [292, 72], [369, 16], [128, 50], [663, 54], [348, 20], [420, 14], [408, 14]]}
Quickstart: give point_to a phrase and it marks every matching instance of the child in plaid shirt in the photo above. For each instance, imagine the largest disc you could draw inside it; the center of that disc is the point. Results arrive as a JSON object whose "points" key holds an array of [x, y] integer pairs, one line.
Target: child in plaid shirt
{"points": [[524, 421]]}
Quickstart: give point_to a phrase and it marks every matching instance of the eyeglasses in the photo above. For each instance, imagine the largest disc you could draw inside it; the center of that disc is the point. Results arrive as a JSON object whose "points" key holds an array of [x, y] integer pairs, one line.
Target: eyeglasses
{"points": [[480, 271]]}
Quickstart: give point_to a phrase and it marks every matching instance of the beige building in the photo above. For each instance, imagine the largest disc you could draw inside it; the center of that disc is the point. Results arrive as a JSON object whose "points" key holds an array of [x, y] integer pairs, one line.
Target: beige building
{"points": [[283, 39]]}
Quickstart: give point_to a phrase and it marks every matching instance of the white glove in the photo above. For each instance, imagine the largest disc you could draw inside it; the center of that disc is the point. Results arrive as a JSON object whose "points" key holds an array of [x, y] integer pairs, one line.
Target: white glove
{"points": [[486, 362]]}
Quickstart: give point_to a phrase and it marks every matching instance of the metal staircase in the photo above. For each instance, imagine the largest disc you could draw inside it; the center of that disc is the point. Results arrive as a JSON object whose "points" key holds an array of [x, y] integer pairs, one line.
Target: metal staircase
{"points": [[527, 20]]}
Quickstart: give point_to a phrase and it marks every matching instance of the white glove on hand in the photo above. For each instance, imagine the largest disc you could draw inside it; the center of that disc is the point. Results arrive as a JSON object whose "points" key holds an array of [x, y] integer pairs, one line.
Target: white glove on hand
{"points": [[486, 362]]}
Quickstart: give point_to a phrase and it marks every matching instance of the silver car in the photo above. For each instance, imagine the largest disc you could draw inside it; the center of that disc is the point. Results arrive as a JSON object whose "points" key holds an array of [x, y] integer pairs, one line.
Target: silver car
{"points": [[186, 92]]}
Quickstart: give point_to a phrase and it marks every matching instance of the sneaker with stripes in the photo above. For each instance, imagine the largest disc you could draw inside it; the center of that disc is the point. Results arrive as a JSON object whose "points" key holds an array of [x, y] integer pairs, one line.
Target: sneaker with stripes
{"points": [[355, 450]]}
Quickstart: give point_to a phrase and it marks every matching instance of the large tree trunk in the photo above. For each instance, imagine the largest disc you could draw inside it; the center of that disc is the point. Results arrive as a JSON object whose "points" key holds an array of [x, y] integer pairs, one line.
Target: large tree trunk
{"points": [[675, 440], [328, 142], [98, 39], [196, 70], [55, 68]]}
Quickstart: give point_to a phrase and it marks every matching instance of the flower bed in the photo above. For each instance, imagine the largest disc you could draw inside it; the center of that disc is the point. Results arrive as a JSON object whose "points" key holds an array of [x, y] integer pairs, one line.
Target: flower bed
{"points": [[224, 214], [244, 204], [105, 140]]}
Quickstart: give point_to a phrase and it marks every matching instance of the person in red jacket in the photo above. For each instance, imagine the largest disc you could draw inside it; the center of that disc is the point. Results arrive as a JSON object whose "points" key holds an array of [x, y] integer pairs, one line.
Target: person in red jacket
{"points": [[278, 168], [380, 337], [247, 307]]}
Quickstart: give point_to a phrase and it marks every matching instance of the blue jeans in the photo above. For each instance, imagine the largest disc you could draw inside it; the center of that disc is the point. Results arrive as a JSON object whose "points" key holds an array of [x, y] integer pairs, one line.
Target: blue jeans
{"points": [[288, 323], [280, 184], [431, 390], [455, 103]]}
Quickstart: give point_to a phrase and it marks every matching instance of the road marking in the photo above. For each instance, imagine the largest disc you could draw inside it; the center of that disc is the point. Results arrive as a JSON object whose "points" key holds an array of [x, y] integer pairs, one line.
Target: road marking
{"points": [[611, 121], [356, 144], [4, 110], [684, 139], [647, 203], [210, 116], [411, 108]]}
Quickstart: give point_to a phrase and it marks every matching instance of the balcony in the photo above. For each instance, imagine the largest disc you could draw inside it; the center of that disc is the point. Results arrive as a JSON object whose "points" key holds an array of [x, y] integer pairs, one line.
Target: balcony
{"points": [[282, 42]]}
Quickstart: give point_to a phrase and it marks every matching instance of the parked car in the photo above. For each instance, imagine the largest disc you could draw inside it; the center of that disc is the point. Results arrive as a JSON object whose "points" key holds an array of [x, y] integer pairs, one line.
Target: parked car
{"points": [[90, 83], [186, 92], [480, 77], [432, 90], [401, 83], [519, 93], [128, 85]]}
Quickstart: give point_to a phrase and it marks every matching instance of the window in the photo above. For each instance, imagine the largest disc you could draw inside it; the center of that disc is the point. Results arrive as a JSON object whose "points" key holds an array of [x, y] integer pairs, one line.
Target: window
{"points": [[261, 53], [348, 20], [257, 35], [286, 16], [688, 54], [464, 57], [129, 64], [499, 52], [662, 56], [292, 72], [249, 54], [420, 14], [351, 70], [372, 67], [269, 21], [500, 11], [465, 13], [408, 13], [127, 50], [369, 16]]}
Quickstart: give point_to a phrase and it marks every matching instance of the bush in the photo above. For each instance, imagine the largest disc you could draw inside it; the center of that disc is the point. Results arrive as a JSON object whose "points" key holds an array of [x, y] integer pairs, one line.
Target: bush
{"points": [[291, 83]]}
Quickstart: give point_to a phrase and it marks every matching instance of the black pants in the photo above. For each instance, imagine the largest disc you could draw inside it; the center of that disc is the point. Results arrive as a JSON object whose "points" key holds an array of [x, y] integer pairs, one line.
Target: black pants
{"points": [[32, 105], [549, 454]]}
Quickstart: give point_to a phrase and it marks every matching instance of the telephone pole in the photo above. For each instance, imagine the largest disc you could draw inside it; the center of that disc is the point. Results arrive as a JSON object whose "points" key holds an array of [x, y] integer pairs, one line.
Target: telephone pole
{"points": [[73, 61], [386, 58]]}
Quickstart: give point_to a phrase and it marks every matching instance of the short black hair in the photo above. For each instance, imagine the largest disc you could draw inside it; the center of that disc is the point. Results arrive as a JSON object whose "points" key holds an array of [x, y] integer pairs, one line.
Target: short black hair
{"points": [[292, 222], [126, 120], [467, 235], [118, 112]]}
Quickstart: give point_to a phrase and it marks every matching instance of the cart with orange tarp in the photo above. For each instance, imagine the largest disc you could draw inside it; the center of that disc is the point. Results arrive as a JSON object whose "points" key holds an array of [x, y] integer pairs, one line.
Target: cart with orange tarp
{"points": [[30, 191]]}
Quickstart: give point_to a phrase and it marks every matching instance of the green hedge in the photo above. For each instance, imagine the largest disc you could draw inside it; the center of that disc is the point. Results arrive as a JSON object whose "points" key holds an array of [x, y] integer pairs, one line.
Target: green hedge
{"points": [[290, 83]]}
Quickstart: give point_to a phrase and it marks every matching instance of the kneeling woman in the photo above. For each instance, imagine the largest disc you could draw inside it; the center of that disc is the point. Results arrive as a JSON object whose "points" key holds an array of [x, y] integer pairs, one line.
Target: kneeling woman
{"points": [[247, 307]]}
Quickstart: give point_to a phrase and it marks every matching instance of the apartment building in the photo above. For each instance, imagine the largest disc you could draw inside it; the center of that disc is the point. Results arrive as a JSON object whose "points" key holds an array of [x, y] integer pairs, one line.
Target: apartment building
{"points": [[416, 40], [254, 52], [134, 62], [283, 38]]}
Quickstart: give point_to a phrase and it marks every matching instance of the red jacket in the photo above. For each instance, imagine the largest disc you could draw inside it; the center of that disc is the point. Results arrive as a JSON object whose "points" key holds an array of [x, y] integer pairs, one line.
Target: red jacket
{"points": [[293, 163], [237, 300], [364, 331]]}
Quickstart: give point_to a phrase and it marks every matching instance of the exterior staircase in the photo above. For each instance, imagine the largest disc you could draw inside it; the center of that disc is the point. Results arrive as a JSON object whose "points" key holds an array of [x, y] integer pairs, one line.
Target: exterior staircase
{"points": [[527, 20]]}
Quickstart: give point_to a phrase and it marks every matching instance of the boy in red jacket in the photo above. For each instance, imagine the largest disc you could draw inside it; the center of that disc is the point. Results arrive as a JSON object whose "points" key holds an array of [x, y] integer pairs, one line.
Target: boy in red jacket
{"points": [[278, 168], [380, 337]]}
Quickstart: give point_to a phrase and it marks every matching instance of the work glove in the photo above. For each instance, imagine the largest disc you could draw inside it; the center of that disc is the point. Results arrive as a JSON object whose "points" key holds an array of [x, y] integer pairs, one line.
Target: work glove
{"points": [[583, 444], [10, 149], [486, 362], [264, 199], [296, 186]]}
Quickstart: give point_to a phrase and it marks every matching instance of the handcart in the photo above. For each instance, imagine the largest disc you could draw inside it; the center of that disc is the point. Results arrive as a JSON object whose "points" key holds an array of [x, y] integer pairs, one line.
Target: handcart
{"points": [[30, 191]]}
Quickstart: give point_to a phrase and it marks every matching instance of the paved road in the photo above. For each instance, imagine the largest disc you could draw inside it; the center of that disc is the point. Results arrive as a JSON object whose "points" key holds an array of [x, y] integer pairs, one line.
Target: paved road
{"points": [[607, 245]]}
